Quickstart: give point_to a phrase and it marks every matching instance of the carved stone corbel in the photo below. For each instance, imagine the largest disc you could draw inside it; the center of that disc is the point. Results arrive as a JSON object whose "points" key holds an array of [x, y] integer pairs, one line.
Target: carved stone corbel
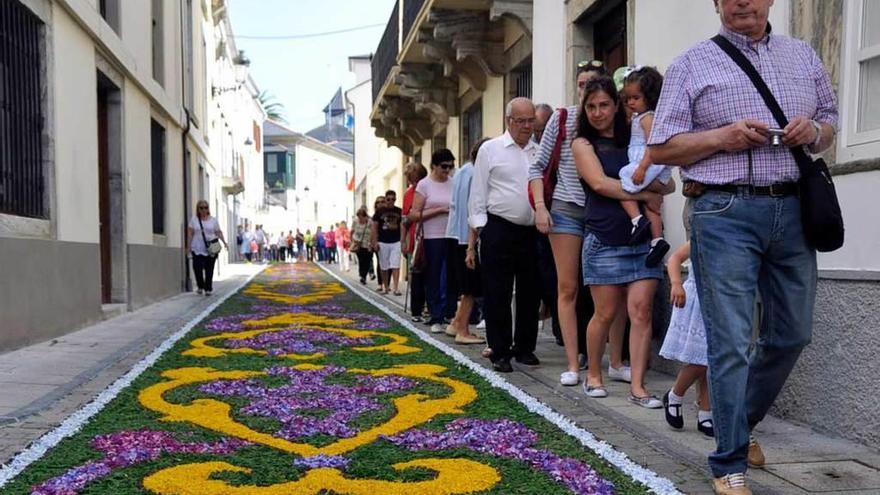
{"points": [[519, 11]]}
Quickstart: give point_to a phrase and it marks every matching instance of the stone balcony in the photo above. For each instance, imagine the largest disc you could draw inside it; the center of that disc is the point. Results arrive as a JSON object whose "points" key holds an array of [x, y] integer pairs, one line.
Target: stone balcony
{"points": [[416, 89]]}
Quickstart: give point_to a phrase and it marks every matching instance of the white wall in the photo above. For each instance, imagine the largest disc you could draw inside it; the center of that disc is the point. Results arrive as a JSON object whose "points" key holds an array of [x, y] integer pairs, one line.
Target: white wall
{"points": [[138, 195], [548, 53], [858, 201], [75, 132], [664, 28], [324, 175]]}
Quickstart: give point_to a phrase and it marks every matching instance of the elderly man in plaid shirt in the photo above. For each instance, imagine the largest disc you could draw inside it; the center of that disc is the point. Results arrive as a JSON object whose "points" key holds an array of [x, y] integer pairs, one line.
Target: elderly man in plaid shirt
{"points": [[746, 229]]}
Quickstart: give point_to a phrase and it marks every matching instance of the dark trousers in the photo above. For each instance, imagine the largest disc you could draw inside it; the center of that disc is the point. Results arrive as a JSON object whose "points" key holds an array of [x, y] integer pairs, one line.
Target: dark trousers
{"points": [[438, 271], [548, 283], [282, 253], [310, 253], [365, 262], [507, 253], [417, 291], [203, 266]]}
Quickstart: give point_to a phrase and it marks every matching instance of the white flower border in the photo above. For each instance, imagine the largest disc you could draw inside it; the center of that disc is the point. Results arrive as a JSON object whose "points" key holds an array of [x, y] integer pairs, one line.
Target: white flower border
{"points": [[77, 420], [654, 482]]}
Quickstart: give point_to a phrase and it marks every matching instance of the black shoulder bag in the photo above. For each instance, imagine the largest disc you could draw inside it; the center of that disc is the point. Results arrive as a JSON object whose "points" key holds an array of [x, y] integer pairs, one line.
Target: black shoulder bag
{"points": [[820, 210]]}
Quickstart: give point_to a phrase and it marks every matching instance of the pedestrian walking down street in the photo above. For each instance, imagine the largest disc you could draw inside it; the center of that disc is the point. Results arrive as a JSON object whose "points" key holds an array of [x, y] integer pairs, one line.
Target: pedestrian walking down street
{"points": [[561, 225], [414, 173], [202, 233], [431, 209], [343, 244], [262, 242], [685, 342], [300, 245], [506, 223], [330, 243], [463, 240], [613, 267], [247, 237], [746, 213], [320, 245], [309, 240], [385, 238], [360, 243]]}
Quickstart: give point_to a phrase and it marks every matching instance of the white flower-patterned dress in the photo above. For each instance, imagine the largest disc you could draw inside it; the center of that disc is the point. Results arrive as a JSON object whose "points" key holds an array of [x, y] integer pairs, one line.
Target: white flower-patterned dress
{"points": [[686, 337]]}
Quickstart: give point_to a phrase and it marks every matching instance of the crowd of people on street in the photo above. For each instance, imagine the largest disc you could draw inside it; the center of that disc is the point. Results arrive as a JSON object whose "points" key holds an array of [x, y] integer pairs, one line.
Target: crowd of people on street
{"points": [[562, 214]]}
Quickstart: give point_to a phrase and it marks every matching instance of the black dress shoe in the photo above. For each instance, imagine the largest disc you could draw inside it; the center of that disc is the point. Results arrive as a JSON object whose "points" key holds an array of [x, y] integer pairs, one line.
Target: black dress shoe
{"points": [[528, 358], [674, 418], [502, 365]]}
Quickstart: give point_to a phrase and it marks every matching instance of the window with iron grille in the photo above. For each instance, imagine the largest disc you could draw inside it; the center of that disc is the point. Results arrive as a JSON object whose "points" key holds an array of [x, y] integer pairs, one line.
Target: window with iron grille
{"points": [[22, 181], [157, 161], [523, 82]]}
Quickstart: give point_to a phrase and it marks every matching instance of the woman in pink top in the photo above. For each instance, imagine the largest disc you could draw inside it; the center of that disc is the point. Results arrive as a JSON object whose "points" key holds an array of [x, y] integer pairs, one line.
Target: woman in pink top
{"points": [[431, 208], [343, 239]]}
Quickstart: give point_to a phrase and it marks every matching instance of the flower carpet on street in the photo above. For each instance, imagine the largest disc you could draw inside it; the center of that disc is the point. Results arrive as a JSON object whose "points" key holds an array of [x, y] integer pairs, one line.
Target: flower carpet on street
{"points": [[295, 385]]}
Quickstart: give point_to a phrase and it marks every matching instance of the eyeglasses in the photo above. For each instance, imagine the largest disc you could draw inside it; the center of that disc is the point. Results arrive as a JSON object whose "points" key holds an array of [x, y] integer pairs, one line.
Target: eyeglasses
{"points": [[591, 63], [523, 120], [446, 165]]}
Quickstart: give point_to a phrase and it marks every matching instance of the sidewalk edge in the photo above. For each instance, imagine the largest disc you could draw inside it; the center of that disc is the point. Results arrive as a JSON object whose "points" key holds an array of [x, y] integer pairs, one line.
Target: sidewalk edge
{"points": [[78, 419], [654, 482]]}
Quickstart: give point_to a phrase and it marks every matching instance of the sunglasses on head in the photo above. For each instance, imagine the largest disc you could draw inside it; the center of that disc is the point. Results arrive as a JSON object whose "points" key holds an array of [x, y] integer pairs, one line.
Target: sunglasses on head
{"points": [[590, 63]]}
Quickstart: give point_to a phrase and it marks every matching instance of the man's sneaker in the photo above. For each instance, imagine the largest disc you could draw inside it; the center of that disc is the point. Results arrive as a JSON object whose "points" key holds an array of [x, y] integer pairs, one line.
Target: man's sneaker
{"points": [[568, 378], [481, 325], [437, 328], [756, 455], [622, 374], [731, 484], [199, 292]]}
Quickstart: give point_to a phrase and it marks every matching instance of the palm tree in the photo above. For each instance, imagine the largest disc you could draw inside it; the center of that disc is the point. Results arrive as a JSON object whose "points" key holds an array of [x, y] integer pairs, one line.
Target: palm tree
{"points": [[274, 109]]}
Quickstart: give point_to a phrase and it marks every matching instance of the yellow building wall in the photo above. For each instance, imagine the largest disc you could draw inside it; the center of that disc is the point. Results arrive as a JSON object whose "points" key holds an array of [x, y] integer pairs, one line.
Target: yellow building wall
{"points": [[493, 107]]}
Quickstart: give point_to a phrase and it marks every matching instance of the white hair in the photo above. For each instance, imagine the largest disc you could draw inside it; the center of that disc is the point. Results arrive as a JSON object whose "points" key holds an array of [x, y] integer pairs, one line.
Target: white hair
{"points": [[508, 110]]}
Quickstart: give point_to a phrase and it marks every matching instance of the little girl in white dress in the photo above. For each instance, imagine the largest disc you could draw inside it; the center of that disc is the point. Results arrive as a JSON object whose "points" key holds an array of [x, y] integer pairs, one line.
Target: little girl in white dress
{"points": [[686, 342]]}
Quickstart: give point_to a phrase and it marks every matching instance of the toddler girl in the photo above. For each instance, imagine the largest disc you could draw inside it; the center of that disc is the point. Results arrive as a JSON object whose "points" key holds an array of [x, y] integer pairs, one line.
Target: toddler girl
{"points": [[641, 89], [686, 342]]}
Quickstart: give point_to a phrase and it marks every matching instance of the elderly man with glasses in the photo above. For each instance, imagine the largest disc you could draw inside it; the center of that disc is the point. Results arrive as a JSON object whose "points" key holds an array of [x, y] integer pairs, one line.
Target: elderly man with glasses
{"points": [[498, 210]]}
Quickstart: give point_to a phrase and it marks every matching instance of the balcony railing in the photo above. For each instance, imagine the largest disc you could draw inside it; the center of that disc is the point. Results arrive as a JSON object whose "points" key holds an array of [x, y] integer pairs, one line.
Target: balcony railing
{"points": [[386, 53], [411, 10]]}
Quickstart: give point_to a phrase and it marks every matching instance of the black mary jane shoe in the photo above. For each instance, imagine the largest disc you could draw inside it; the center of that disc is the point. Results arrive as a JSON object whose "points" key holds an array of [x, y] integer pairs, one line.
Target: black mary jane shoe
{"points": [[707, 427], [674, 418]]}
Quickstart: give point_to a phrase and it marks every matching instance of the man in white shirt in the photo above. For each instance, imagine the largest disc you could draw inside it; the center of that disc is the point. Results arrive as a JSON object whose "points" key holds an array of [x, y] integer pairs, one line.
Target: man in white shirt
{"points": [[499, 209]]}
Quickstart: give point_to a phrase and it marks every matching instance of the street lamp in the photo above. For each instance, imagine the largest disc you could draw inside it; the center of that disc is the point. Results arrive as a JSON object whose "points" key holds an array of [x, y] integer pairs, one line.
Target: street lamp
{"points": [[240, 66]]}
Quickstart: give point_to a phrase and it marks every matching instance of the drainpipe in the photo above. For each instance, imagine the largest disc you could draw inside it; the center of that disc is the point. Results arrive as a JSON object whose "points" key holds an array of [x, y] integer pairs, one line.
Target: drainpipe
{"points": [[187, 281]]}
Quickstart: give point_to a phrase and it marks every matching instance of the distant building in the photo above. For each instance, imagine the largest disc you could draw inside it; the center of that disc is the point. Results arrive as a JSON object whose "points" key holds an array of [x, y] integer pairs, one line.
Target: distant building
{"points": [[334, 132], [306, 181]]}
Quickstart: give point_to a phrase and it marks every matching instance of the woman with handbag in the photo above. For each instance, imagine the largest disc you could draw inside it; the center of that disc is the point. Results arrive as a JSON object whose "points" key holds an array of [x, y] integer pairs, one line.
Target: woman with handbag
{"points": [[203, 238], [431, 209], [360, 243]]}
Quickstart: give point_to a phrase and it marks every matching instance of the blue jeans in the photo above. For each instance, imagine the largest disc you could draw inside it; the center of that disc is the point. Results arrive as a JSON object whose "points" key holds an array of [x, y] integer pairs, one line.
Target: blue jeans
{"points": [[436, 271], [742, 244]]}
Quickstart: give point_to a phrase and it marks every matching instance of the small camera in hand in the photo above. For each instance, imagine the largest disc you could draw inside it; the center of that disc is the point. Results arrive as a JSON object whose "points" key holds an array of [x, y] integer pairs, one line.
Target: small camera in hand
{"points": [[775, 136]]}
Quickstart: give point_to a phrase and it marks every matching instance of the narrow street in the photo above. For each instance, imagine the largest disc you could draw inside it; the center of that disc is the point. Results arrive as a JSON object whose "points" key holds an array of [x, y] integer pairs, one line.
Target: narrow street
{"points": [[281, 315]]}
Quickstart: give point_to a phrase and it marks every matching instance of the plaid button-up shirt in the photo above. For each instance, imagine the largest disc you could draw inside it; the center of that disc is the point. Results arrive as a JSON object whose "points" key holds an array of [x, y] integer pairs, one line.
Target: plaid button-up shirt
{"points": [[704, 89]]}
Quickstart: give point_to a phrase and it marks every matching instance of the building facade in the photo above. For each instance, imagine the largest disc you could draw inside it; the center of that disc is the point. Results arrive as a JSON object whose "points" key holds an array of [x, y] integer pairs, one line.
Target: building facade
{"points": [[307, 181], [444, 68], [378, 167], [104, 131]]}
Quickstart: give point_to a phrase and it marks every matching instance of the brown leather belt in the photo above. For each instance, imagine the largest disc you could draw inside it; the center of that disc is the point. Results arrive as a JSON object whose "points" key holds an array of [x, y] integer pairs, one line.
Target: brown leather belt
{"points": [[778, 190]]}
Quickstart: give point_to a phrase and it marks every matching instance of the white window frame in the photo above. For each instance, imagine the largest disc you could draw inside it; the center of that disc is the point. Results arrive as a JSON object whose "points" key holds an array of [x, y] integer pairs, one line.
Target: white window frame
{"points": [[854, 145]]}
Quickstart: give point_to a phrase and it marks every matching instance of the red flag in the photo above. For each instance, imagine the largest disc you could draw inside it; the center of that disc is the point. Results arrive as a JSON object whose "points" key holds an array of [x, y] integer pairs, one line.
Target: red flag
{"points": [[351, 184]]}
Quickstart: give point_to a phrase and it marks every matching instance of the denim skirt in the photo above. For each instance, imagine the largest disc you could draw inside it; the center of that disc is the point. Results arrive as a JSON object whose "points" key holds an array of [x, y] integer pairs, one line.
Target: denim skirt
{"points": [[615, 265]]}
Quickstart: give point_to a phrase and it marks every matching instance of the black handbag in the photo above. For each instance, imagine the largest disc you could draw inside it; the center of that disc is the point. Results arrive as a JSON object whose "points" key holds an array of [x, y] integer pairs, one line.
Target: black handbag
{"points": [[820, 210]]}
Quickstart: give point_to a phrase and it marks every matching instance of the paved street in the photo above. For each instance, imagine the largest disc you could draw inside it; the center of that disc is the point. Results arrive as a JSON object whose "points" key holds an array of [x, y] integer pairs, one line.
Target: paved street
{"points": [[42, 384]]}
